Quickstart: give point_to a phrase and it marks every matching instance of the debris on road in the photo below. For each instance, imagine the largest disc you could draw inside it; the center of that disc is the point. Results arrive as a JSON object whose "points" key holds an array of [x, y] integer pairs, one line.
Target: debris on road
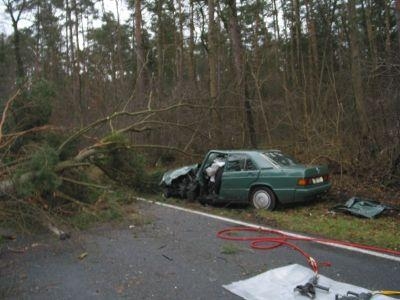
{"points": [[14, 250], [83, 255], [167, 257], [61, 234]]}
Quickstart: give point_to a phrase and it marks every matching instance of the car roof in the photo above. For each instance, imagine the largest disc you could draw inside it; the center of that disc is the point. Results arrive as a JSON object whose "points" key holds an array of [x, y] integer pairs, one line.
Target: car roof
{"points": [[237, 151], [257, 155]]}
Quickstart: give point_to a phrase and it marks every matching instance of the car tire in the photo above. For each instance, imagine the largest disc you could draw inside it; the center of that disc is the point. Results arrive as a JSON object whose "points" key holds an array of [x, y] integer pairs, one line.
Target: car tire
{"points": [[263, 198]]}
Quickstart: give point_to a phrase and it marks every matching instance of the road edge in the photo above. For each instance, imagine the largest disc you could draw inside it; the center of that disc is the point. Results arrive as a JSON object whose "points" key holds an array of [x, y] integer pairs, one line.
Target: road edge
{"points": [[252, 225]]}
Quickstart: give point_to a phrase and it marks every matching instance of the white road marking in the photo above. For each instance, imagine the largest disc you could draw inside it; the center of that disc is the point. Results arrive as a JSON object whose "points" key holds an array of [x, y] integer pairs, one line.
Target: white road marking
{"points": [[238, 222]]}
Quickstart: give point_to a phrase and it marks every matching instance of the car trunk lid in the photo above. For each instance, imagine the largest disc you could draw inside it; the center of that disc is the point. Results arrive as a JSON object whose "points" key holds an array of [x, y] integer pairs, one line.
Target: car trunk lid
{"points": [[315, 171]]}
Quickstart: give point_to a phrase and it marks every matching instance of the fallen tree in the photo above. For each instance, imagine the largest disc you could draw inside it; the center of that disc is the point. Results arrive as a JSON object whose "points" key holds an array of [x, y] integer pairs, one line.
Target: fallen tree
{"points": [[50, 168]]}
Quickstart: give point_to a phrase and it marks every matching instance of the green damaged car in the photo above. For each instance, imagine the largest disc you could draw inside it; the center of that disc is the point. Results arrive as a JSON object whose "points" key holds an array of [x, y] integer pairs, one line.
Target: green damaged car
{"points": [[262, 178]]}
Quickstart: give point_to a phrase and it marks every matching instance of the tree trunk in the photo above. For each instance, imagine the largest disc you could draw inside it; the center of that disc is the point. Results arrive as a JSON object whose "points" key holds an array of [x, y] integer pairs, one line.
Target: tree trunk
{"points": [[119, 83], [179, 51], [191, 67], [17, 51], [212, 57], [160, 49], [77, 66], [312, 36], [238, 53], [72, 60], [140, 59], [212, 70], [296, 34], [38, 44], [67, 44], [256, 61], [257, 65], [19, 72], [387, 28], [356, 74], [397, 8], [219, 54], [313, 67], [277, 34], [370, 33]]}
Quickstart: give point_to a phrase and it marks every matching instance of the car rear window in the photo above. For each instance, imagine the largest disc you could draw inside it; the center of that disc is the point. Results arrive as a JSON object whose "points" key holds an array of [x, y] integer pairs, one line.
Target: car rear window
{"points": [[280, 158]]}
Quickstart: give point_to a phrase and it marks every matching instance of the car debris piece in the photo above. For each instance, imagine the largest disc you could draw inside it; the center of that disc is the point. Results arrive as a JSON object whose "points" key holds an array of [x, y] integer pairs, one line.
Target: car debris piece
{"points": [[259, 177], [361, 207], [61, 234], [83, 255]]}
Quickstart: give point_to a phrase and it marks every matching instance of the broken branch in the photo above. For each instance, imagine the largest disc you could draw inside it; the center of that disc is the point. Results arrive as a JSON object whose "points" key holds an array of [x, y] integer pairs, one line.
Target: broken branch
{"points": [[4, 115], [124, 113], [92, 185]]}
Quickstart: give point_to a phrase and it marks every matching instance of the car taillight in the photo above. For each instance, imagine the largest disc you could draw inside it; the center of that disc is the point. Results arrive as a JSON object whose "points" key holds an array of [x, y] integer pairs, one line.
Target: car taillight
{"points": [[312, 180], [303, 181]]}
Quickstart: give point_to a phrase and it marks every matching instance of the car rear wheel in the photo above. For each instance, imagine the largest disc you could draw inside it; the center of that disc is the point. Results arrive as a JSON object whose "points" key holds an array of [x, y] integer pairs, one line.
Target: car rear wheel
{"points": [[263, 198]]}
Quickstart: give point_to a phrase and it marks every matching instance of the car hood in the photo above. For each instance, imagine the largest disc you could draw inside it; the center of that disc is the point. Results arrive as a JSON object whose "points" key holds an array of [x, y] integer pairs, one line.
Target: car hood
{"points": [[170, 175]]}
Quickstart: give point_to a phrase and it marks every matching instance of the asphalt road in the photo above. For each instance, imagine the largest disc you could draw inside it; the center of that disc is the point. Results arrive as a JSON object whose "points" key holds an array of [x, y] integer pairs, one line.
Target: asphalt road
{"points": [[176, 255]]}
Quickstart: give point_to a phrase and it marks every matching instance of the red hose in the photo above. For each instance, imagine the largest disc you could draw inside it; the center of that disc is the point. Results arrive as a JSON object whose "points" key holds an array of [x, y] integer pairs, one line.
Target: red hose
{"points": [[269, 239]]}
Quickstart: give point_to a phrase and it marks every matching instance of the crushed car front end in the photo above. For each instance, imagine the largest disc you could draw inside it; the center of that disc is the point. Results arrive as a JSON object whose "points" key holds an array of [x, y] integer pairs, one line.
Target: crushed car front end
{"points": [[178, 182]]}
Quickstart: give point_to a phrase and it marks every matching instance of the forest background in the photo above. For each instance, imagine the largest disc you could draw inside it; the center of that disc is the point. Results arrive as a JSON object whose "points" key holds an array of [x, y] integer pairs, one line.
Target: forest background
{"points": [[81, 86]]}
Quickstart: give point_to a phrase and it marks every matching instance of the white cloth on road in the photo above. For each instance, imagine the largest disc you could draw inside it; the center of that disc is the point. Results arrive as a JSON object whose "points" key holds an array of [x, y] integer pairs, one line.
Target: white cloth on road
{"points": [[279, 284]]}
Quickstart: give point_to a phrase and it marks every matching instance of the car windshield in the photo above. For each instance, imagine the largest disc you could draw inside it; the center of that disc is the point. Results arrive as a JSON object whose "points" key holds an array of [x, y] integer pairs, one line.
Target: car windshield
{"points": [[280, 159]]}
